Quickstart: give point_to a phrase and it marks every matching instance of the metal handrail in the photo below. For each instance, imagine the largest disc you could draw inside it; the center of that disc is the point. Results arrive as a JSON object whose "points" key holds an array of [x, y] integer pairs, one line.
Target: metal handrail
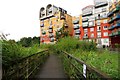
{"points": [[25, 67], [89, 69]]}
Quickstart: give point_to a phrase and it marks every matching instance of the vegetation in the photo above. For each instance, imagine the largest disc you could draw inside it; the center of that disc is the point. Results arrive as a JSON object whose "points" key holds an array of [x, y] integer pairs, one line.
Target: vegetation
{"points": [[13, 51], [104, 60], [28, 42]]}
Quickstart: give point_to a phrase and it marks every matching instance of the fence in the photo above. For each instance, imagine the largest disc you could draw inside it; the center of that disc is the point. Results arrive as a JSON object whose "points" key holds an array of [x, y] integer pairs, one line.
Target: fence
{"points": [[24, 68], [77, 69]]}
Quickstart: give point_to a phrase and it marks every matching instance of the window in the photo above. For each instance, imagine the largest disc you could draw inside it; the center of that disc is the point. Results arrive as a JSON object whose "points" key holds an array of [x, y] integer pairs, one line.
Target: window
{"points": [[98, 28], [99, 34], [92, 35], [91, 23], [98, 22], [104, 9], [105, 27], [91, 29], [104, 21], [104, 15], [105, 33], [85, 30]]}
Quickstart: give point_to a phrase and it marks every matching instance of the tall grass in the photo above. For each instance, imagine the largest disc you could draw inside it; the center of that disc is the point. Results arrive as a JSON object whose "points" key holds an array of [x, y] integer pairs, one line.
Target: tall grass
{"points": [[13, 52], [72, 44], [103, 60]]}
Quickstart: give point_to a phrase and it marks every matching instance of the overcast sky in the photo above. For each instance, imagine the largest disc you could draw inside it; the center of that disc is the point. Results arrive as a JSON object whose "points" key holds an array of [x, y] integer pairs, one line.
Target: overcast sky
{"points": [[20, 18]]}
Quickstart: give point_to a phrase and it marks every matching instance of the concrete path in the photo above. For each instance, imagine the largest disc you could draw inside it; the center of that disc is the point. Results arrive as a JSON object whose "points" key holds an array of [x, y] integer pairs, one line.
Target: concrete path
{"points": [[52, 69]]}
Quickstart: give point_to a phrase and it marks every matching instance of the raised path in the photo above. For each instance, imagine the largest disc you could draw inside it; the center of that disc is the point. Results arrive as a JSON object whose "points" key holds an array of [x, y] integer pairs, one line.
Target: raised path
{"points": [[52, 69]]}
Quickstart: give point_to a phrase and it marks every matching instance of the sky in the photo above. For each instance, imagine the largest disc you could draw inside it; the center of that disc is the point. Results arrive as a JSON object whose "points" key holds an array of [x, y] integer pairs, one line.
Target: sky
{"points": [[20, 18]]}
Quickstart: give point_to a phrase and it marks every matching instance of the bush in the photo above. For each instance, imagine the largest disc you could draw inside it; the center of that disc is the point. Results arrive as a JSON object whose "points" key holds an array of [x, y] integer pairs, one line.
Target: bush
{"points": [[12, 51], [71, 44]]}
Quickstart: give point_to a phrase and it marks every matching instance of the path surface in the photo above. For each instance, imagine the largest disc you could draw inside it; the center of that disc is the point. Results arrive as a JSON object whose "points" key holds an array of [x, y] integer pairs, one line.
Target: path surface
{"points": [[52, 68]]}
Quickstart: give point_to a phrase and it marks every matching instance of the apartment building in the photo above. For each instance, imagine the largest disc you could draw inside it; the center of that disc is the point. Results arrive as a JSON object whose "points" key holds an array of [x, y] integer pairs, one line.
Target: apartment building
{"points": [[76, 26], [101, 9], [88, 23], [114, 23], [52, 20]]}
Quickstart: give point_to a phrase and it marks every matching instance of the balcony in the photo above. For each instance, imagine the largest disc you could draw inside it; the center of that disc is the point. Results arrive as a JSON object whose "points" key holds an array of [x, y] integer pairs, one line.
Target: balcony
{"points": [[42, 25], [111, 27], [117, 25], [50, 35], [50, 27], [87, 14], [91, 24], [111, 35], [117, 33], [85, 25], [66, 26], [50, 31], [101, 4], [116, 17], [110, 14], [59, 29], [62, 17], [77, 31], [85, 19], [76, 26], [111, 20], [50, 10], [43, 32], [116, 9], [85, 36], [76, 22], [77, 36], [52, 39]]}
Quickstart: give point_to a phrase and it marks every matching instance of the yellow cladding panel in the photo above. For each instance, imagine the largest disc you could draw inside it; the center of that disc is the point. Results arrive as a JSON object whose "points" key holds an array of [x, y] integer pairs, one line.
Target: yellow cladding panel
{"points": [[69, 23], [102, 21], [46, 25], [80, 20]]}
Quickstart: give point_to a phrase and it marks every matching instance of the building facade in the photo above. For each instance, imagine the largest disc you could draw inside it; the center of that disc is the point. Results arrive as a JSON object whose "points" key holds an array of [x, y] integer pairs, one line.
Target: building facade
{"points": [[114, 23], [101, 9], [52, 20], [88, 23], [99, 23]]}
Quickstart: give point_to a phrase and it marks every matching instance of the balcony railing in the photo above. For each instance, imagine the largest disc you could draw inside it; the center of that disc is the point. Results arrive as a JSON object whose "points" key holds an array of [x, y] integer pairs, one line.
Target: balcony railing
{"points": [[50, 10], [116, 9], [117, 33], [50, 31], [110, 14], [76, 26], [111, 27], [114, 18], [59, 29], [62, 17], [117, 25], [114, 33], [117, 17], [76, 22], [77, 36], [101, 4], [85, 25], [77, 31], [85, 36], [87, 14], [50, 35], [52, 39], [111, 34], [66, 25], [84, 20], [42, 25], [50, 27], [43, 32], [111, 20]]}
